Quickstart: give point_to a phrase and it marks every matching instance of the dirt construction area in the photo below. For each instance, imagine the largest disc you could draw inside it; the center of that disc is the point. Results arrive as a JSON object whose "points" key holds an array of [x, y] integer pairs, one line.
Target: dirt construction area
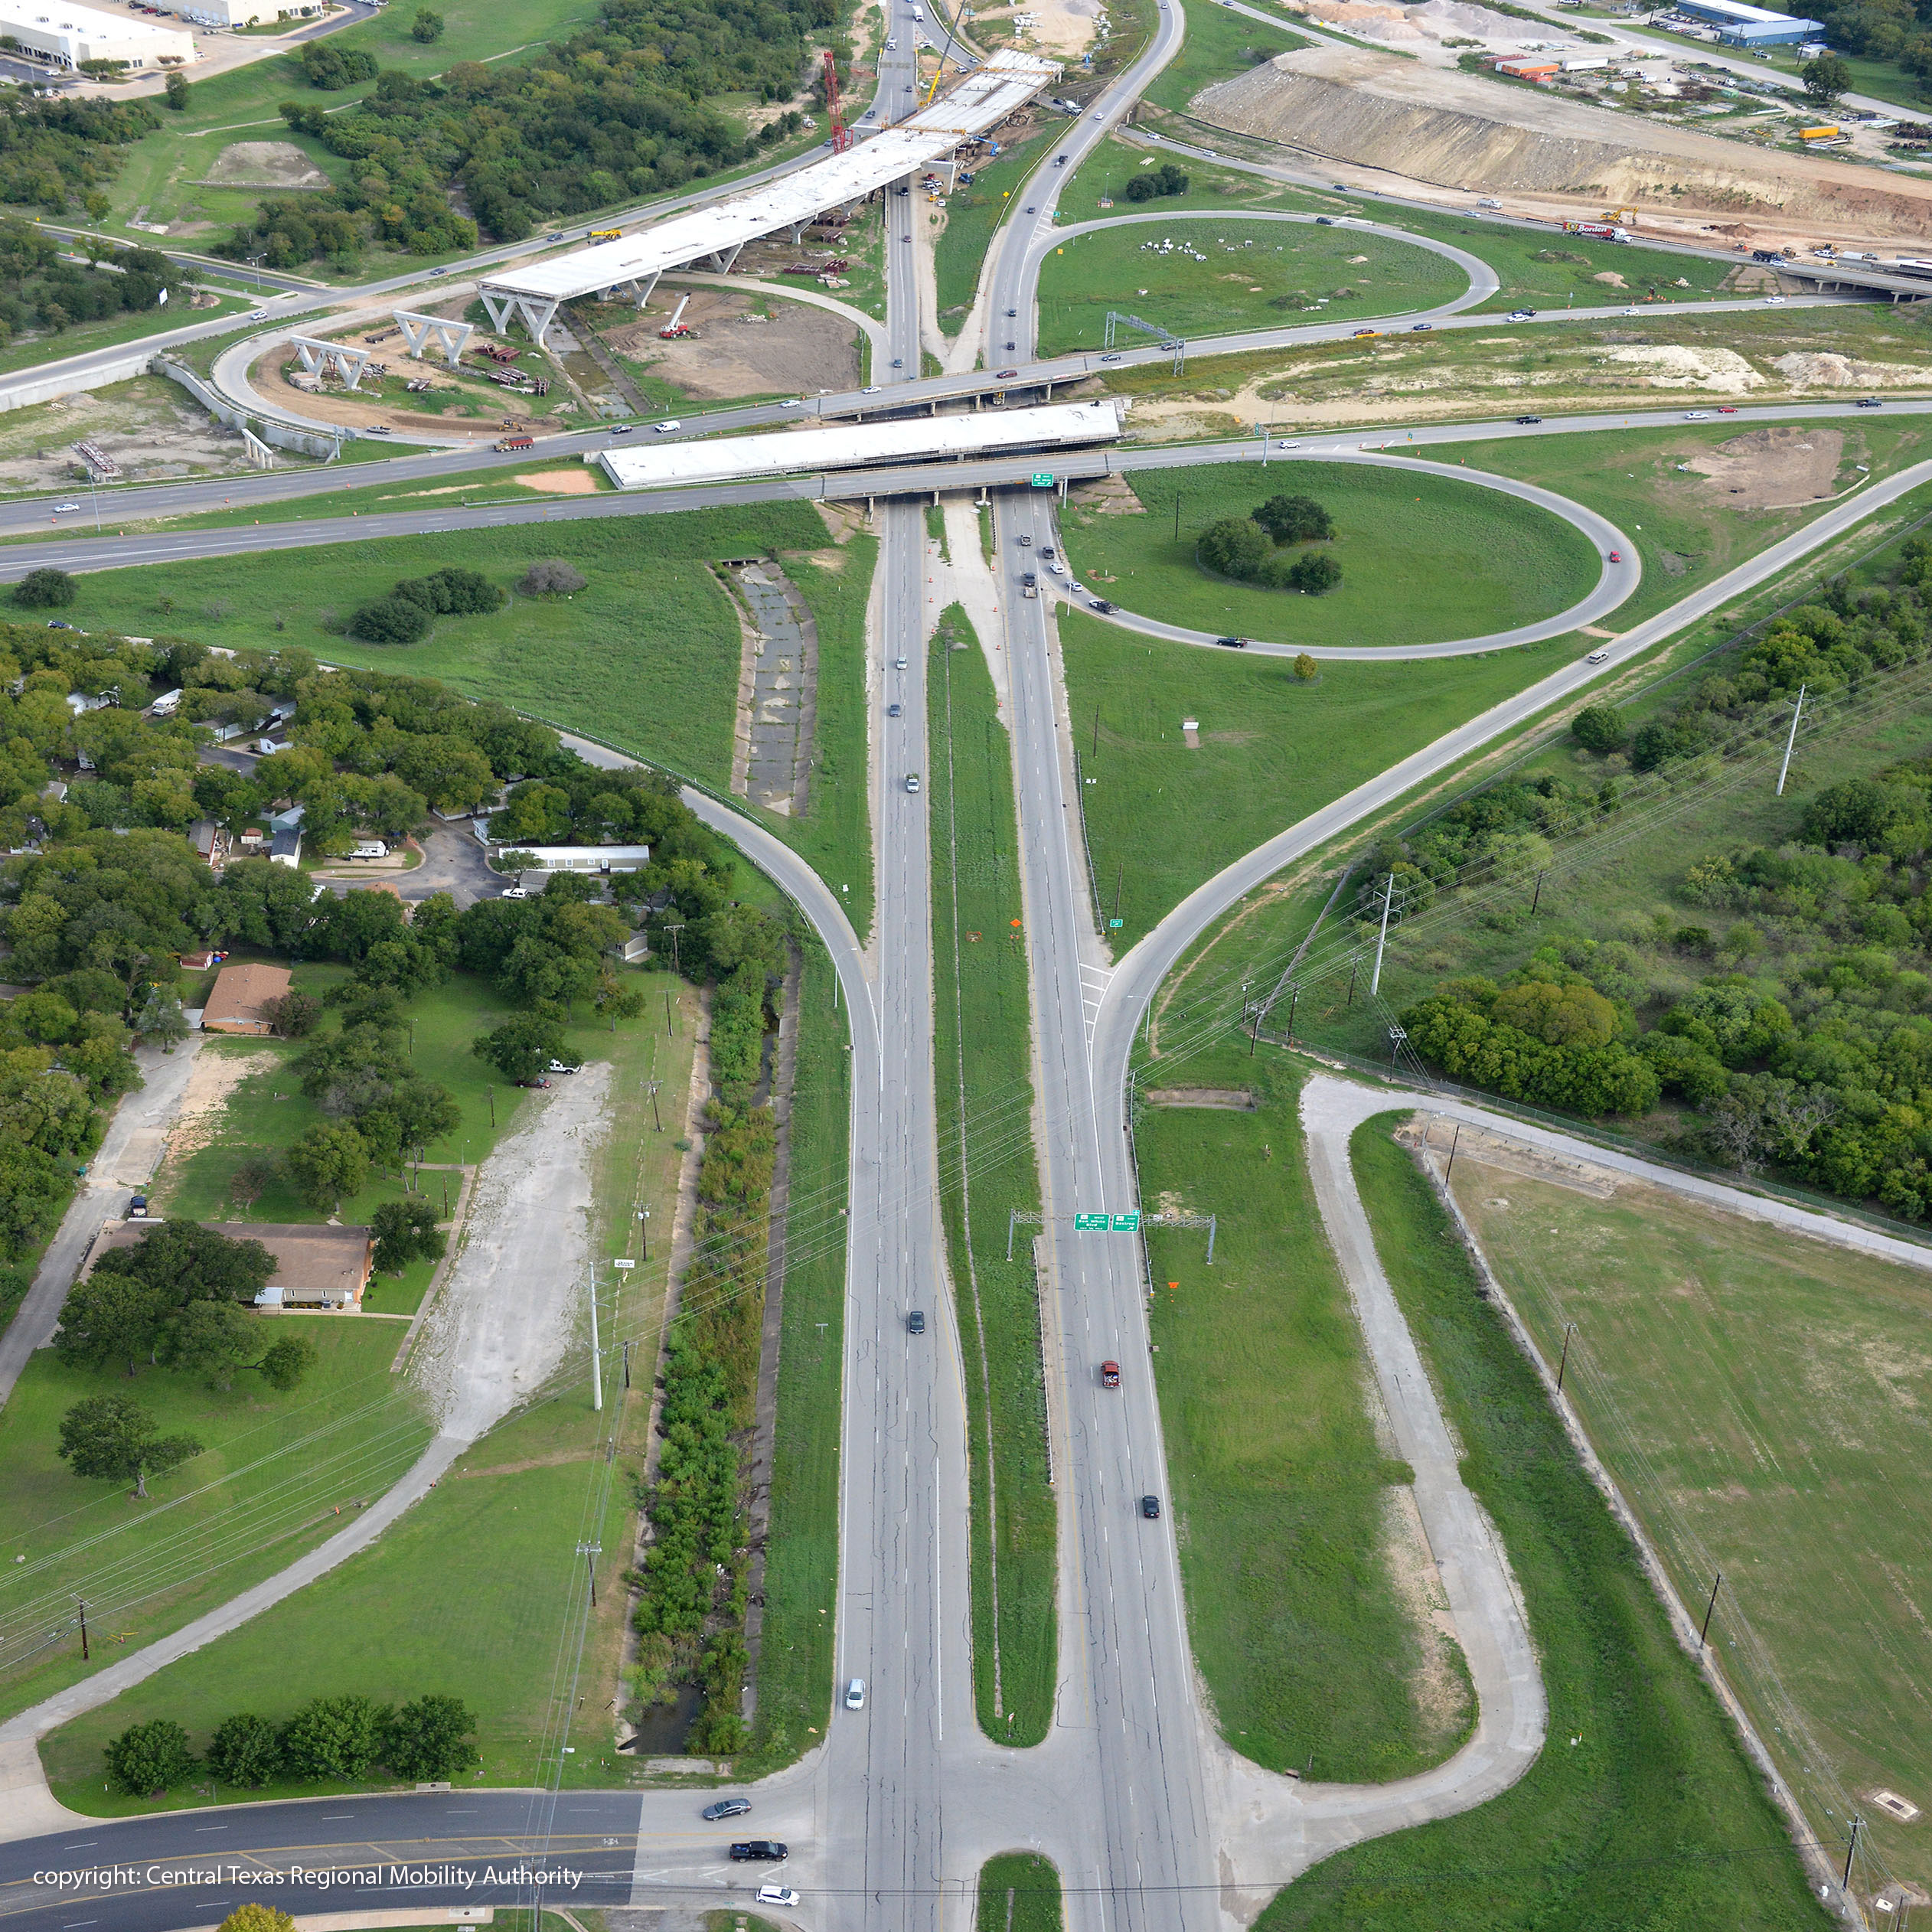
{"points": [[742, 344], [148, 426], [1465, 133], [1774, 469], [277, 164], [510, 1304]]}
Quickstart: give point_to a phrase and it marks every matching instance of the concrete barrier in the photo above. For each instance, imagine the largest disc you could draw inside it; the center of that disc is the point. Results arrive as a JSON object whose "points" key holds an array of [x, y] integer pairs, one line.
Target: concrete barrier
{"points": [[324, 443]]}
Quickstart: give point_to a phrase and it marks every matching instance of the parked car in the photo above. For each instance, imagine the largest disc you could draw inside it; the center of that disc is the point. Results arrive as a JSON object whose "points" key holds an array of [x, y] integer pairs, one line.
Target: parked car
{"points": [[540, 1081], [138, 1208], [758, 1851], [513, 891], [564, 1066], [726, 1808]]}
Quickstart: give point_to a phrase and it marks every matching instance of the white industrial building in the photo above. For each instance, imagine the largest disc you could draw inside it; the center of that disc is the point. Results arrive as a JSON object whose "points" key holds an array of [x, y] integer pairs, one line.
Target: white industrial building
{"points": [[247, 13], [981, 102], [866, 445], [67, 35]]}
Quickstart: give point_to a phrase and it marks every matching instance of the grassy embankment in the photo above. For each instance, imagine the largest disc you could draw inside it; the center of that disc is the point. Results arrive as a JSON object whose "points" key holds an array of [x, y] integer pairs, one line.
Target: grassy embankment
{"points": [[795, 1660], [972, 215], [1641, 1792], [1256, 275], [1423, 557], [1682, 1313], [643, 659], [1294, 1526], [983, 1068], [1218, 47], [521, 1580], [31, 351], [1019, 1892]]}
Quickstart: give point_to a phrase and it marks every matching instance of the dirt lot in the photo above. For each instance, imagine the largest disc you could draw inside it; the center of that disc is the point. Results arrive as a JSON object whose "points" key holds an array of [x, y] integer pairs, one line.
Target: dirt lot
{"points": [[276, 164], [467, 403], [1774, 468], [148, 426], [1061, 26], [1460, 133], [746, 344]]}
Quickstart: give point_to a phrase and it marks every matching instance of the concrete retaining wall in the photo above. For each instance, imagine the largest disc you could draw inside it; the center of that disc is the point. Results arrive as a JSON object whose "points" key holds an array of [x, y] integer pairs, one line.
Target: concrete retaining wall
{"points": [[282, 436], [49, 385]]}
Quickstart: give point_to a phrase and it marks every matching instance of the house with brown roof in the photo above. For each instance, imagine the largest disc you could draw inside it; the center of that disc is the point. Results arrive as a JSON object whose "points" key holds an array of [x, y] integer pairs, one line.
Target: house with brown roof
{"points": [[240, 993], [316, 1265]]}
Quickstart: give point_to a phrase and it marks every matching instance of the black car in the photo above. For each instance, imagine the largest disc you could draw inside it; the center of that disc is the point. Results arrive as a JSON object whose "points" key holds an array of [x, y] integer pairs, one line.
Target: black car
{"points": [[726, 1808], [1012, 312], [1324, 221], [758, 1851], [1099, 604], [1233, 643], [1149, 1508], [915, 1322], [1529, 419]]}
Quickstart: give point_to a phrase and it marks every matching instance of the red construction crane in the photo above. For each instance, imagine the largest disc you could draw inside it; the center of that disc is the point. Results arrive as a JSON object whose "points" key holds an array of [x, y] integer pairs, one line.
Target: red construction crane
{"points": [[841, 134]]}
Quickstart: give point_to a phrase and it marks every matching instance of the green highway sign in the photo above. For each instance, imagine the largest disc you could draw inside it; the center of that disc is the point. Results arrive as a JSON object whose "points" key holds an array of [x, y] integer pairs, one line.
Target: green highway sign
{"points": [[1042, 479], [1114, 925], [1093, 1224], [1126, 1224]]}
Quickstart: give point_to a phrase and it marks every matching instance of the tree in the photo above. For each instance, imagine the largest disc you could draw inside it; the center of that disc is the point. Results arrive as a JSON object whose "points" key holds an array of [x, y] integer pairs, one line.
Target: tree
{"points": [[1306, 669], [389, 620], [1165, 180], [289, 1358], [523, 1047], [293, 1015], [245, 1751], [330, 1160], [1597, 728], [429, 1740], [514, 863], [1314, 573], [426, 26], [115, 1440], [1235, 547], [162, 1019], [176, 88], [212, 1339], [45, 588], [1295, 520], [406, 1231], [334, 1737], [110, 1317], [254, 1917], [252, 1178], [553, 578], [1825, 77], [183, 1261], [149, 1758]]}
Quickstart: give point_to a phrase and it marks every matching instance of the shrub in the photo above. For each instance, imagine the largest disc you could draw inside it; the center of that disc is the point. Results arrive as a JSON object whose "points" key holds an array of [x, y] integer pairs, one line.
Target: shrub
{"points": [[149, 1758], [1597, 728], [452, 592], [45, 588], [390, 620], [430, 1739], [1154, 184], [1235, 547], [245, 1751], [1305, 669], [292, 1014], [426, 26], [553, 578], [1314, 574], [254, 1917]]}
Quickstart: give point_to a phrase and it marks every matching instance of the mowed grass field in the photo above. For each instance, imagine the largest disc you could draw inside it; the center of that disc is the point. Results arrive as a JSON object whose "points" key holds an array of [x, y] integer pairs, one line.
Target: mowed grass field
{"points": [[1256, 275], [1161, 818], [1761, 1399], [1423, 558], [1641, 1810], [1282, 1500], [1219, 45]]}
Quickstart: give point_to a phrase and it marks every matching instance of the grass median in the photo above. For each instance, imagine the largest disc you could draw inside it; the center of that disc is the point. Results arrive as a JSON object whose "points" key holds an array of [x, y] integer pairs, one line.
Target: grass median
{"points": [[1019, 1892], [1214, 278], [973, 215], [1423, 557], [1641, 1793], [1308, 1582], [982, 1058]]}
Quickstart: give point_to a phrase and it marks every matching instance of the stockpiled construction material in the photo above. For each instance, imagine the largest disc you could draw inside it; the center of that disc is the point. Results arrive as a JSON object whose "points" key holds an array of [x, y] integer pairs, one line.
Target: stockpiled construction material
{"points": [[1461, 131]]}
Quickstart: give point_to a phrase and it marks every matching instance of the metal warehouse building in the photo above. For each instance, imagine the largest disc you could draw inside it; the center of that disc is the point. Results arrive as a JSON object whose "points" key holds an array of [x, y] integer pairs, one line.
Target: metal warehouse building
{"points": [[1738, 25]]}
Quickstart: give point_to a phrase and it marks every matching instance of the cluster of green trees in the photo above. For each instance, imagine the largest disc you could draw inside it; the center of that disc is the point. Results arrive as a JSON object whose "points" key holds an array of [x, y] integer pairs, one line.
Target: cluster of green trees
{"points": [[404, 616], [692, 1585], [330, 1740], [1165, 180], [609, 114], [1256, 549], [56, 154], [41, 293]]}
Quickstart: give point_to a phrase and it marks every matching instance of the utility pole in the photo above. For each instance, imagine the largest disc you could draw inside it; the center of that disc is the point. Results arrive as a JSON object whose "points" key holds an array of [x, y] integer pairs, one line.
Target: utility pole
{"points": [[1355, 967], [657, 1119], [1705, 1631], [1294, 999], [1797, 713], [1388, 899], [1454, 1144], [83, 1602], [1177, 516], [596, 1366], [1852, 1850], [492, 1092], [644, 1231], [667, 1016], [674, 931], [627, 1366], [1569, 1329], [1119, 879], [1096, 731], [590, 1552], [1536, 897]]}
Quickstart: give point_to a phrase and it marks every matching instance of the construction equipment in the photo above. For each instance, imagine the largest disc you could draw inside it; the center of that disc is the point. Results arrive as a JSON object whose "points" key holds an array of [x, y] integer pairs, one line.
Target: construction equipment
{"points": [[841, 134], [677, 327]]}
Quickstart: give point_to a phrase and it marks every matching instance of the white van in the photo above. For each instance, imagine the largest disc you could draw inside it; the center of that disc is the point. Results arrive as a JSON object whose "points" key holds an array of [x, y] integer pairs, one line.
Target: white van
{"points": [[665, 429]]}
